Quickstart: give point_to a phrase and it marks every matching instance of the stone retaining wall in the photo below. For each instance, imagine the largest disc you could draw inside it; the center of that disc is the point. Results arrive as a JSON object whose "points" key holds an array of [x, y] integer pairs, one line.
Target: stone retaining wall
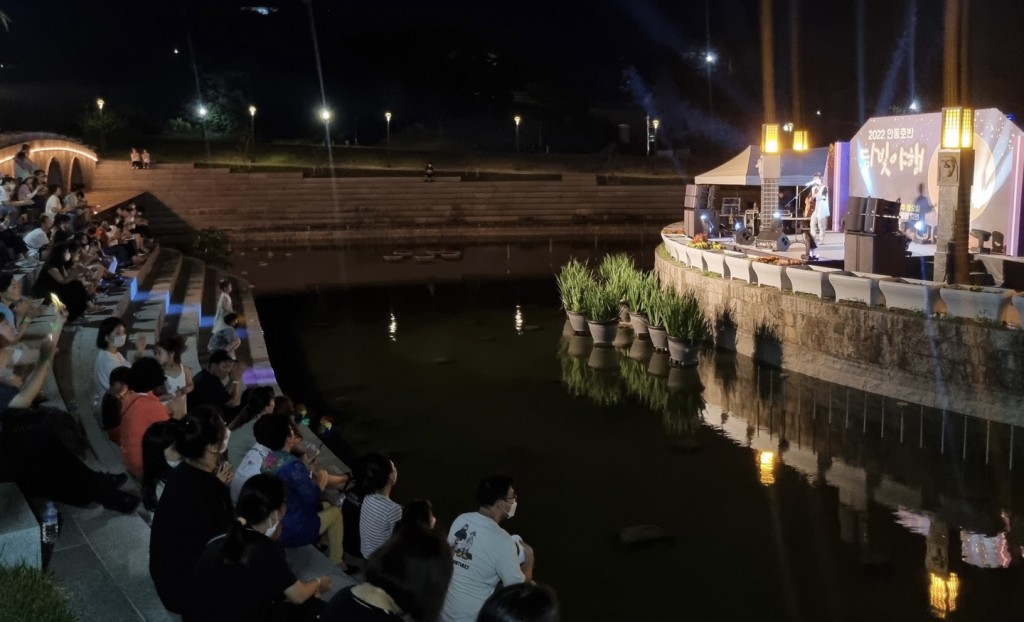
{"points": [[957, 365]]}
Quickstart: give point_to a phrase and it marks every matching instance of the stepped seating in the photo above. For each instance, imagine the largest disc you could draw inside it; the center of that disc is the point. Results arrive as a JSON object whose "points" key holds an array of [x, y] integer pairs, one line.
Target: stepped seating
{"points": [[192, 198], [102, 557]]}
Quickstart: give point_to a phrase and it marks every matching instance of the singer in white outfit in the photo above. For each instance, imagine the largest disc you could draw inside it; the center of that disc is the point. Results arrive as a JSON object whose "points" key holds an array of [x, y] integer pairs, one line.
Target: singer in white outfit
{"points": [[819, 219]]}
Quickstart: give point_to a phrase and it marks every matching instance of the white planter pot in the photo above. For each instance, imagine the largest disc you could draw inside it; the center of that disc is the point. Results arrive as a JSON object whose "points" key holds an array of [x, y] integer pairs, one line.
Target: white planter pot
{"points": [[813, 282], [695, 258], [674, 248], [715, 261], [739, 266], [862, 289], [603, 332], [987, 304], [910, 295], [771, 275], [659, 338]]}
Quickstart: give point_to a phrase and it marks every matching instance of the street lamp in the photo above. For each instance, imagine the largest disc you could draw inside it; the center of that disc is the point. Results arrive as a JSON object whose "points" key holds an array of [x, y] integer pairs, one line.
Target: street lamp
{"points": [[325, 116], [252, 129], [387, 120], [517, 119], [206, 141], [655, 123], [710, 58], [800, 141], [103, 142], [955, 178]]}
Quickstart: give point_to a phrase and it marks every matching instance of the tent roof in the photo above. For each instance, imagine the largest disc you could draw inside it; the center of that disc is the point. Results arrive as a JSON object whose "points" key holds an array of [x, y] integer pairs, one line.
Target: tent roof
{"points": [[797, 168]]}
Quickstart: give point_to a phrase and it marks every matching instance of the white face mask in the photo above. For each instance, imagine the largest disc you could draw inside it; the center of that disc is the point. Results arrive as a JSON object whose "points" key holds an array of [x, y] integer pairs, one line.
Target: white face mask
{"points": [[224, 443], [512, 507], [119, 341], [173, 463], [15, 355], [269, 531]]}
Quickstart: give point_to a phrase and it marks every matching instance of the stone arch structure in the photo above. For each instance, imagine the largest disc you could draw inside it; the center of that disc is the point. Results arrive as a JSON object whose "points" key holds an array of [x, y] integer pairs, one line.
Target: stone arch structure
{"points": [[74, 173], [50, 152], [54, 174]]}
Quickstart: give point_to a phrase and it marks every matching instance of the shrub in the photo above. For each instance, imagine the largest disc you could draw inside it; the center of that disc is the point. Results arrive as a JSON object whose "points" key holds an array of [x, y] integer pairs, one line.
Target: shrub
{"points": [[213, 247], [574, 279], [28, 594]]}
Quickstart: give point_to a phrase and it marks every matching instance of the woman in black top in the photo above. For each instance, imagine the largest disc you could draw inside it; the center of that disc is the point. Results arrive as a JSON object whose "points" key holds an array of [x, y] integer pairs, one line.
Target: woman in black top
{"points": [[406, 579], [194, 507], [243, 574], [55, 278]]}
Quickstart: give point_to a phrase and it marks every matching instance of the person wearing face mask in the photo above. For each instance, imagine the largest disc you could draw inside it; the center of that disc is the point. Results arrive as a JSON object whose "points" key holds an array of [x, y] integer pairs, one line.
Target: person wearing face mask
{"points": [[195, 506], [483, 553], [110, 338], [243, 574], [55, 278]]}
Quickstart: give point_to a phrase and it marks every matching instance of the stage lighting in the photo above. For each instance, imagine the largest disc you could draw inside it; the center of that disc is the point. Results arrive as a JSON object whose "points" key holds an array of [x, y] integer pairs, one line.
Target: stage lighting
{"points": [[920, 225]]}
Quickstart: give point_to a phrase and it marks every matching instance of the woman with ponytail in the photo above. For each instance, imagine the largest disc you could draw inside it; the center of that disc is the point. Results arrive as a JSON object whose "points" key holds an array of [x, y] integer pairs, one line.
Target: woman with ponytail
{"points": [[243, 574], [195, 505]]}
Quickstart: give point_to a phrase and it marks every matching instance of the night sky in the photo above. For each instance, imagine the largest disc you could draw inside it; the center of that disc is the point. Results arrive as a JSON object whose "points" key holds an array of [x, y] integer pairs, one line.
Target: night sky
{"points": [[461, 67]]}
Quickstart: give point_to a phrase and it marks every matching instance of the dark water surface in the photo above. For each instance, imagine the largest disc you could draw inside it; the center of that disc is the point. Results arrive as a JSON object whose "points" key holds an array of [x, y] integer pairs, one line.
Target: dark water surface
{"points": [[781, 497]]}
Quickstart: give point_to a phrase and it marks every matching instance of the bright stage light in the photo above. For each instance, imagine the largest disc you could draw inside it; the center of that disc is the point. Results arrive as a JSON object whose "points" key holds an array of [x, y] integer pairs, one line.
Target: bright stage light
{"points": [[914, 106], [920, 225], [710, 58]]}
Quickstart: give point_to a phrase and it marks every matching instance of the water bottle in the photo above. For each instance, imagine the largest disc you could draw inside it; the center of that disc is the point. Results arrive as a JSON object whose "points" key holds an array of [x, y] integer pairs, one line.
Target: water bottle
{"points": [[50, 525]]}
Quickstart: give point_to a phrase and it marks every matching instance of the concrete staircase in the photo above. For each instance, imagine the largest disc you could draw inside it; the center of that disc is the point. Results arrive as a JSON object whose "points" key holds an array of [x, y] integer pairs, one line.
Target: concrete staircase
{"points": [[102, 557], [180, 198]]}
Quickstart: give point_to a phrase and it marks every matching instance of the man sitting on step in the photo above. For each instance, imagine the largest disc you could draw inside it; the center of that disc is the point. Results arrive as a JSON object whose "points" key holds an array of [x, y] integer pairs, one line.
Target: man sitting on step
{"points": [[219, 385]]}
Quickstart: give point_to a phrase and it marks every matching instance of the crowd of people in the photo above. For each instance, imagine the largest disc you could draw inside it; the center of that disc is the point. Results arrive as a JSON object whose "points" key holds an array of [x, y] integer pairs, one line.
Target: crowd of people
{"points": [[226, 479]]}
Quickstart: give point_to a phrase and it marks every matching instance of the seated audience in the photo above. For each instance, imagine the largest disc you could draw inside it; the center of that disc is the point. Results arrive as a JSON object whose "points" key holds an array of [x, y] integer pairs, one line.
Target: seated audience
{"points": [[226, 339], [243, 574], [195, 506], [136, 158], [219, 385], [147, 159], [179, 378], [33, 455], [308, 518], [38, 239], [159, 457], [111, 405], [406, 579], [54, 205], [251, 463], [23, 166], [110, 338], [55, 278], [484, 553], [418, 512], [259, 401], [140, 409], [521, 602], [379, 514], [16, 313]]}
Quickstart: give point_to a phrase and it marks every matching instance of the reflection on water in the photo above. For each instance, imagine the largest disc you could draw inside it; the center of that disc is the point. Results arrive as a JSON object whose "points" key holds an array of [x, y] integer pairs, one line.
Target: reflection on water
{"points": [[831, 435], [785, 497]]}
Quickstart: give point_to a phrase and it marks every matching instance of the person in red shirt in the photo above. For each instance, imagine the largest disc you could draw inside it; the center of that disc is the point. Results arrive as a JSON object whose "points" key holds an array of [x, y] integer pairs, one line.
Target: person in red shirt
{"points": [[140, 409]]}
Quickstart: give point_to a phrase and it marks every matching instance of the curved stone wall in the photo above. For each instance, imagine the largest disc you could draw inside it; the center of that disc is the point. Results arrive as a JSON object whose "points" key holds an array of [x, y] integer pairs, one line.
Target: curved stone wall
{"points": [[961, 366]]}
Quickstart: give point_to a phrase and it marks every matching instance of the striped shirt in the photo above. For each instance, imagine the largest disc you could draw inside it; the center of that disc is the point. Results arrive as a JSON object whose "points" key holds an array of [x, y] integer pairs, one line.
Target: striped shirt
{"points": [[377, 521]]}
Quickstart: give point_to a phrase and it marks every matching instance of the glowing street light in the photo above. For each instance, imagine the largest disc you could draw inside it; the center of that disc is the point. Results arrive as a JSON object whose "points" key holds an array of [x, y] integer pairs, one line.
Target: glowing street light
{"points": [[325, 115], [206, 141], [103, 134], [788, 127], [710, 58], [203, 112], [387, 120], [517, 119], [252, 127]]}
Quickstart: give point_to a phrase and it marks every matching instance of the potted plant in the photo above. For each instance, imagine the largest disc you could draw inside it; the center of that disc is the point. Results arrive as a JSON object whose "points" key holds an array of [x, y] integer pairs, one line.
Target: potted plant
{"points": [[687, 327], [573, 280], [654, 310], [601, 307], [975, 302], [638, 291], [618, 271]]}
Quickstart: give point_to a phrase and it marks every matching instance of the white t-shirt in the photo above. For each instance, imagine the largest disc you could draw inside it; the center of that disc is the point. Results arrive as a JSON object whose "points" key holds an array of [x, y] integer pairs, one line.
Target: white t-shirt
{"points": [[106, 362], [250, 465], [820, 194], [377, 519], [483, 554], [36, 239], [53, 206]]}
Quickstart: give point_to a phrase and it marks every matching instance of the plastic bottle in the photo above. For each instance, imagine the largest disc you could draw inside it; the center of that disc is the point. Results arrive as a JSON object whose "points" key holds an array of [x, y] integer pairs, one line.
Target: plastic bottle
{"points": [[50, 524]]}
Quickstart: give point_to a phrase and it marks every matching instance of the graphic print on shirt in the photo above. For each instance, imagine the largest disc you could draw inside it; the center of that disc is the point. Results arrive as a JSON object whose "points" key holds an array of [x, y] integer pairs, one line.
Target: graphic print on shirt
{"points": [[463, 542]]}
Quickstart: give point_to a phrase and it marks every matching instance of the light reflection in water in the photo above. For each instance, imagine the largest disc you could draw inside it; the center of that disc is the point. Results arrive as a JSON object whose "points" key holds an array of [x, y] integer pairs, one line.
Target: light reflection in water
{"points": [[943, 590], [519, 320], [393, 329], [766, 467]]}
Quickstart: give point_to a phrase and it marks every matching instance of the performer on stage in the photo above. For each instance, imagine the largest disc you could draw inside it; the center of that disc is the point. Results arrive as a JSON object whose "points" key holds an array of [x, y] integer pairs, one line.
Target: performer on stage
{"points": [[819, 219]]}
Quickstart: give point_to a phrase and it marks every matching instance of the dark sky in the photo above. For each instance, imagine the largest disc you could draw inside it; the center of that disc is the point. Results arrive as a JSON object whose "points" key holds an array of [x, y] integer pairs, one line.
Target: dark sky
{"points": [[476, 63]]}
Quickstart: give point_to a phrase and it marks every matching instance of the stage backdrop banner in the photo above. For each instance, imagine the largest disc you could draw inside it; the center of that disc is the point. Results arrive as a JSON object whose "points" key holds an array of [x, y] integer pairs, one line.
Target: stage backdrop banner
{"points": [[895, 158]]}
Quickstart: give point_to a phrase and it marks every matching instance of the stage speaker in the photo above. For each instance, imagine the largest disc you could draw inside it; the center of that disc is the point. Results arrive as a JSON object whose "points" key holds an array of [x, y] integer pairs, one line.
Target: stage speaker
{"points": [[855, 215], [881, 216], [744, 237], [773, 239]]}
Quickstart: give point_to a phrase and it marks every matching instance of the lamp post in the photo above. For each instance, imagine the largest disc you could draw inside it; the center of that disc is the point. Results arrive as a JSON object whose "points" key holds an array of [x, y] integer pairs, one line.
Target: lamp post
{"points": [[955, 178], [800, 140], [517, 119], [325, 116], [709, 60], [206, 141], [387, 120], [252, 130], [655, 123], [770, 169], [103, 134]]}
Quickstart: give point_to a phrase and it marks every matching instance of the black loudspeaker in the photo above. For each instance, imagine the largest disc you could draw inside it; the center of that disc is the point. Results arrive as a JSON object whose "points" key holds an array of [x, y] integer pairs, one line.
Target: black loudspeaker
{"points": [[744, 237], [881, 216], [868, 215], [773, 239], [855, 215]]}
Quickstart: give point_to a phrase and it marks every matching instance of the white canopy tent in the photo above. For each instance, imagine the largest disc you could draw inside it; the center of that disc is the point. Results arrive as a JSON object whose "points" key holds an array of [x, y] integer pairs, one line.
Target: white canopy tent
{"points": [[797, 168]]}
